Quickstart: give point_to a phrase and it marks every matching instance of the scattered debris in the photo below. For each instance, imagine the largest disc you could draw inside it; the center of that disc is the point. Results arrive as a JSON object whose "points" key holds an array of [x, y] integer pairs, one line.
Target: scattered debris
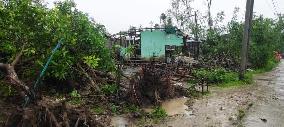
{"points": [[263, 120], [50, 113]]}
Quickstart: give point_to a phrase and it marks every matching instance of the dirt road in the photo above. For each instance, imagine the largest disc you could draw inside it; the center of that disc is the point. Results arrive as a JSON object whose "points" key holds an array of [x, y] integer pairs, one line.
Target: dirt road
{"points": [[258, 105], [219, 109], [268, 110]]}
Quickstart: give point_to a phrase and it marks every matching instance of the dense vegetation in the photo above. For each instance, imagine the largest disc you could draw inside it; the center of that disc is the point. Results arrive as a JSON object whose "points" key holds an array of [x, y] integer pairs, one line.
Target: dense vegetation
{"points": [[266, 39], [81, 64], [221, 48], [221, 41], [30, 30]]}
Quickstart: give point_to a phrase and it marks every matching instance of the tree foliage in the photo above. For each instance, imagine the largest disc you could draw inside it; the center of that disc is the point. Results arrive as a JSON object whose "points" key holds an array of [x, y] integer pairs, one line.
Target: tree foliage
{"points": [[182, 12], [266, 39], [31, 26], [222, 41]]}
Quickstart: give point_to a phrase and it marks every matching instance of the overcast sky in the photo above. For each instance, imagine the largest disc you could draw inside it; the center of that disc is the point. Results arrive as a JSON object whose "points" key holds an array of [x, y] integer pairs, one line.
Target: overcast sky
{"points": [[119, 15]]}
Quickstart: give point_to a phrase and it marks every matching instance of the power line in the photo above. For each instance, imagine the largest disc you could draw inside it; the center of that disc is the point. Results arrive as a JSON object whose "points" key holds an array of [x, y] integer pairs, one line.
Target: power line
{"points": [[270, 7], [274, 7]]}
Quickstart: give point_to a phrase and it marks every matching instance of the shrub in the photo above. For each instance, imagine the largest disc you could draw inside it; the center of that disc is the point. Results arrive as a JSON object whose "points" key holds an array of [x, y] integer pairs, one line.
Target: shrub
{"points": [[159, 113], [241, 114], [6, 90], [98, 110], [29, 25], [132, 108], [75, 97], [217, 75], [109, 89], [114, 108], [224, 49]]}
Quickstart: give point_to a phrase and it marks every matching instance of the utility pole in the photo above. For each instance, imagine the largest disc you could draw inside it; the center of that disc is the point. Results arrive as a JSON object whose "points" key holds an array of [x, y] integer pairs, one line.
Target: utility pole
{"points": [[210, 22], [196, 27], [246, 37]]}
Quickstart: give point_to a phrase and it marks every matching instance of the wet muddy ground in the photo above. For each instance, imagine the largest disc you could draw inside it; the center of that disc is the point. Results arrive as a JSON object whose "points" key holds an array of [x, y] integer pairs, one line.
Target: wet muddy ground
{"points": [[268, 110], [260, 104], [218, 109]]}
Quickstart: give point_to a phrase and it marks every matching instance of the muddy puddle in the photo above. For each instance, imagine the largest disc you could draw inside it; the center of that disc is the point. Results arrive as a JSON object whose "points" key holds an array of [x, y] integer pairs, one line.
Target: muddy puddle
{"points": [[172, 107], [121, 121], [176, 106]]}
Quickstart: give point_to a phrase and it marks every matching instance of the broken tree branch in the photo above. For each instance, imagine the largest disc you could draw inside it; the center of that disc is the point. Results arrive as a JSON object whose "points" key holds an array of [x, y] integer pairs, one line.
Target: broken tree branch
{"points": [[77, 122], [52, 118], [93, 84], [14, 79], [2, 65], [18, 56], [13, 76], [65, 115]]}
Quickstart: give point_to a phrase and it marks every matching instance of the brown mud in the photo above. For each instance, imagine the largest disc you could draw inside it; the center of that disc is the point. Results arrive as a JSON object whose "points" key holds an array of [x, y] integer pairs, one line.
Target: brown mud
{"points": [[258, 105]]}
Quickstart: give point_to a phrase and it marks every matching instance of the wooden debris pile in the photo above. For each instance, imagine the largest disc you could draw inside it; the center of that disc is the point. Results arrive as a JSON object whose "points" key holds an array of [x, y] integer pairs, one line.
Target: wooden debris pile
{"points": [[46, 113], [152, 84]]}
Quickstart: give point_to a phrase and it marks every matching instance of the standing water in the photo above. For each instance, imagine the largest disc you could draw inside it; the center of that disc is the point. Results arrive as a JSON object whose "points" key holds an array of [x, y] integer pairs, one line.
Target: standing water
{"points": [[172, 107], [176, 106], [121, 121]]}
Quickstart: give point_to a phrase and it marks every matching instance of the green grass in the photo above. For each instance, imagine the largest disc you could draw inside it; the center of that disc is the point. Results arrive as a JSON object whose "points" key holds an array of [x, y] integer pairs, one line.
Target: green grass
{"points": [[241, 114], [75, 98], [6, 89], [114, 108], [130, 108], [159, 113], [98, 109], [2, 119], [109, 89], [214, 76], [248, 77], [269, 67], [247, 80], [237, 83]]}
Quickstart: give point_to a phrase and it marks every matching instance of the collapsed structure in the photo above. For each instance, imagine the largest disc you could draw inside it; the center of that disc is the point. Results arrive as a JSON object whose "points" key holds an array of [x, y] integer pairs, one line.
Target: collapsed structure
{"points": [[162, 43]]}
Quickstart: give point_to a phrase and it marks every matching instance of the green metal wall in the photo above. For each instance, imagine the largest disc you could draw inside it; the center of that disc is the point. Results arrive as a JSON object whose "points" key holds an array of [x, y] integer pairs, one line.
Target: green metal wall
{"points": [[153, 42]]}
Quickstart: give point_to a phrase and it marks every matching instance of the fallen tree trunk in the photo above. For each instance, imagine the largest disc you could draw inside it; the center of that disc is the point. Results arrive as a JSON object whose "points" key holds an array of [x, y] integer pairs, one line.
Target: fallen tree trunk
{"points": [[12, 76]]}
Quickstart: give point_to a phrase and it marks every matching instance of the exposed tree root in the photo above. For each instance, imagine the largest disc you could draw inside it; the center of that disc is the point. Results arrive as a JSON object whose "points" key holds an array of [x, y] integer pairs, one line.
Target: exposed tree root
{"points": [[151, 85], [47, 114]]}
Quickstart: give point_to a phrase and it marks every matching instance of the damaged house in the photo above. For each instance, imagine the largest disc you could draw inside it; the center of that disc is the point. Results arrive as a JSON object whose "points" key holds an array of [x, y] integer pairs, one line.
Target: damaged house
{"points": [[160, 43]]}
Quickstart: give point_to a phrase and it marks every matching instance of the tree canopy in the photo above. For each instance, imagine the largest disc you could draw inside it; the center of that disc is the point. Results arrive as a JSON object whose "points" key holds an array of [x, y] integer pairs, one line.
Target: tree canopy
{"points": [[29, 26]]}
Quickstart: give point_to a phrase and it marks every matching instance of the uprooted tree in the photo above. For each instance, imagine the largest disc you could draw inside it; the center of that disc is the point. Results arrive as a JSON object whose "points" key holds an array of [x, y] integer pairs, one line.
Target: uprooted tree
{"points": [[29, 32], [154, 84]]}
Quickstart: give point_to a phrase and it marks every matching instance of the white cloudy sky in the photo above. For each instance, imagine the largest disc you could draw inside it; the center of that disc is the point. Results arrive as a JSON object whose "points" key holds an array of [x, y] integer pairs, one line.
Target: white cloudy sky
{"points": [[118, 15]]}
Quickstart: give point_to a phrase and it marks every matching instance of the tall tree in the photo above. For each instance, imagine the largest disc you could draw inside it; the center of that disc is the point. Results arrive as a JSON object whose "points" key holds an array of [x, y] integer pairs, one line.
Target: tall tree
{"points": [[163, 18], [182, 14]]}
